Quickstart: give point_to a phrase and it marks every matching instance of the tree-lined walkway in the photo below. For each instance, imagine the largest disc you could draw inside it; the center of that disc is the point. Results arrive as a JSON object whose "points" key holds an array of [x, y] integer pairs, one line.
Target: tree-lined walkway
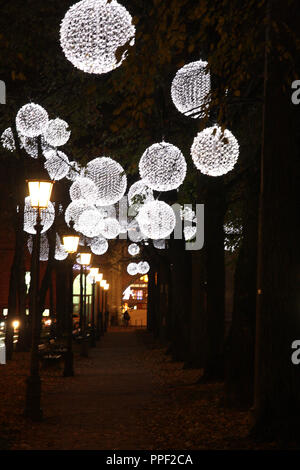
{"points": [[127, 395]]}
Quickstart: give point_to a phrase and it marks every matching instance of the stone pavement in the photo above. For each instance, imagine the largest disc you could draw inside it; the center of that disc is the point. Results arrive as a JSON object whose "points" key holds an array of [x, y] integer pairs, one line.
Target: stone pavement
{"points": [[102, 406]]}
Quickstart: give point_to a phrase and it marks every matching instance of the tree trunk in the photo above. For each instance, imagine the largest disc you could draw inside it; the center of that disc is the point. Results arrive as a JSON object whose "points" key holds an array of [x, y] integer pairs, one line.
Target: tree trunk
{"points": [[277, 379]]}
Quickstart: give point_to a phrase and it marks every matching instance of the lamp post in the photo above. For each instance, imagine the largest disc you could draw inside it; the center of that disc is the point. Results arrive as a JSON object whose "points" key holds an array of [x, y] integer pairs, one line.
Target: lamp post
{"points": [[84, 261], [70, 242], [40, 193], [106, 287], [99, 278], [93, 273]]}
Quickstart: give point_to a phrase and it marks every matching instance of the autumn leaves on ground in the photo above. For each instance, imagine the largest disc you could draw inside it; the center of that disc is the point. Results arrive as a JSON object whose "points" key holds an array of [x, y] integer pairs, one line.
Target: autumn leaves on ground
{"points": [[127, 394]]}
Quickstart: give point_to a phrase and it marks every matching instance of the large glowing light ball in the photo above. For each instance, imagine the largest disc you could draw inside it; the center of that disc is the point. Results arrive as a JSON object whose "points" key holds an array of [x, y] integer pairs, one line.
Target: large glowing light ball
{"points": [[110, 179], [110, 228], [132, 269], [99, 245], [156, 219], [139, 193], [60, 252], [57, 165], [133, 249], [30, 216], [83, 188], [93, 32], [215, 152], [57, 132], [74, 211], [162, 167], [190, 89], [44, 247], [143, 267], [90, 223], [7, 140], [31, 120]]}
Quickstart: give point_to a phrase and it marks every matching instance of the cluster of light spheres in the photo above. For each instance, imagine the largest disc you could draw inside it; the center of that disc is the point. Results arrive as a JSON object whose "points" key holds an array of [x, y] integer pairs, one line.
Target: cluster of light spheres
{"points": [[90, 223], [215, 152], [44, 247], [190, 89], [31, 120], [162, 167], [99, 245], [139, 193], [93, 32], [133, 249], [110, 228], [57, 165], [30, 216], [143, 267], [84, 188], [110, 179], [156, 219], [57, 132]]}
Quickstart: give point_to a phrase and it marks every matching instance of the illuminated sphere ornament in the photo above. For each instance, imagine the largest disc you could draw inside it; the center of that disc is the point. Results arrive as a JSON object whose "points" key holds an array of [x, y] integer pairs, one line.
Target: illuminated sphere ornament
{"points": [[74, 211], [156, 219], [190, 89], [93, 32], [31, 120], [57, 165], [189, 232], [159, 244], [139, 193], [110, 179], [162, 167], [44, 247], [215, 152], [132, 269], [99, 245], [143, 267], [90, 223], [30, 215], [7, 140], [83, 188], [134, 232], [57, 132], [133, 249], [60, 252], [186, 213], [110, 228]]}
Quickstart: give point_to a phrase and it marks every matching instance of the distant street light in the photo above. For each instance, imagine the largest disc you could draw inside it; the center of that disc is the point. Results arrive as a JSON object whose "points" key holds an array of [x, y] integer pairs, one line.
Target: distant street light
{"points": [[70, 242]]}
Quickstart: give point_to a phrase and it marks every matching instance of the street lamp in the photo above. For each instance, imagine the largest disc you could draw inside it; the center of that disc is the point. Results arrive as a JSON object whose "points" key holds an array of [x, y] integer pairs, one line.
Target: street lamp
{"points": [[106, 314], [93, 272], [70, 242], [39, 191], [98, 279], [84, 260]]}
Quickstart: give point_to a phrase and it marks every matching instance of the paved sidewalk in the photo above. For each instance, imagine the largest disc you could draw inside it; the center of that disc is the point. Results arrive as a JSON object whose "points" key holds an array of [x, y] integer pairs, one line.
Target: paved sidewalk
{"points": [[100, 407]]}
